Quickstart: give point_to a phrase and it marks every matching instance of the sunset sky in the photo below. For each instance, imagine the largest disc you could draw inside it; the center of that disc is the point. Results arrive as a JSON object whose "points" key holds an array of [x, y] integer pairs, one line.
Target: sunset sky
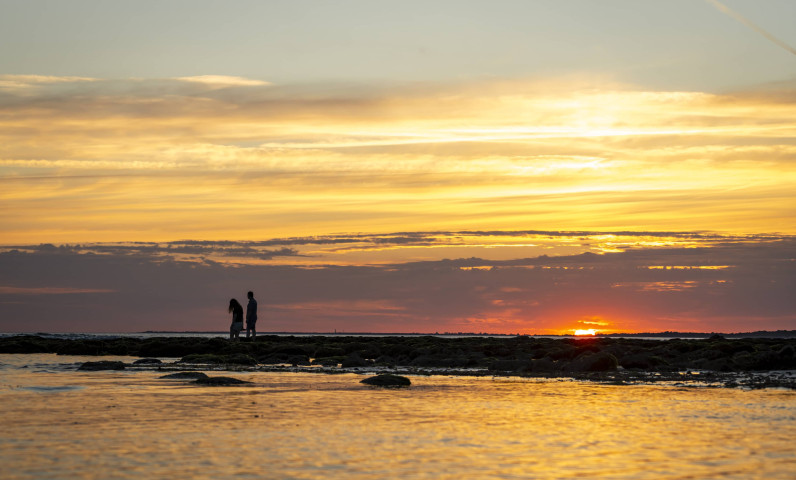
{"points": [[530, 166]]}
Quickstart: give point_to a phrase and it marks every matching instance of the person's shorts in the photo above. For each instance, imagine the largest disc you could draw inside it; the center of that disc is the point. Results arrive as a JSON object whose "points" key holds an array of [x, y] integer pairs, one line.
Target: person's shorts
{"points": [[250, 325], [236, 327]]}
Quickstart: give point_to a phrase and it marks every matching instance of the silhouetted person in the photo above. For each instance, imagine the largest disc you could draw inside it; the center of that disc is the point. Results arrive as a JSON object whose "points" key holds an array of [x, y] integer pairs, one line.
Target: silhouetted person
{"points": [[237, 319], [251, 316]]}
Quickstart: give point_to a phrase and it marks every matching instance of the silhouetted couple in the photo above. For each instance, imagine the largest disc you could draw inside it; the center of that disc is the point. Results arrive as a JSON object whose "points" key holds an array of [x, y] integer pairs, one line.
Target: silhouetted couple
{"points": [[236, 310]]}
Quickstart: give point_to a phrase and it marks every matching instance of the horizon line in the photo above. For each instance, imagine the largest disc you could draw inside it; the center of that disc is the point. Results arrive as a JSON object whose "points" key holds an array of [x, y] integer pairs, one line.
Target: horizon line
{"points": [[666, 333]]}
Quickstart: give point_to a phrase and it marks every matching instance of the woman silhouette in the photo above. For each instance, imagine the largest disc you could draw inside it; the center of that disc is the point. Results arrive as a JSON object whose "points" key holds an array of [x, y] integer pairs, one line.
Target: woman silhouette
{"points": [[237, 319]]}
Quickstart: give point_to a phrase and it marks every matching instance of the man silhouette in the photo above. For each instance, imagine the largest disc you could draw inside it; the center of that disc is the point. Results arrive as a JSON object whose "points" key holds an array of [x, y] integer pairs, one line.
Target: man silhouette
{"points": [[251, 316]]}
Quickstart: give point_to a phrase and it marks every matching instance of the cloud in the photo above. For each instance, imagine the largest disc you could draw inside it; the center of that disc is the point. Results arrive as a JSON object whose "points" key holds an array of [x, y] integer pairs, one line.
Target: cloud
{"points": [[190, 251], [337, 158], [221, 81], [345, 249], [692, 281], [181, 122], [19, 82]]}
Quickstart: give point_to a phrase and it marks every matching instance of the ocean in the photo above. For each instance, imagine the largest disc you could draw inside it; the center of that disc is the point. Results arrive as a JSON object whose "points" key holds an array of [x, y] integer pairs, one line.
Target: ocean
{"points": [[62, 423]]}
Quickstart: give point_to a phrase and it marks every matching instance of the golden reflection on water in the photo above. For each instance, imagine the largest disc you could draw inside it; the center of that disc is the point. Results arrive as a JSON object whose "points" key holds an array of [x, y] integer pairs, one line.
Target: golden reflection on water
{"points": [[69, 424]]}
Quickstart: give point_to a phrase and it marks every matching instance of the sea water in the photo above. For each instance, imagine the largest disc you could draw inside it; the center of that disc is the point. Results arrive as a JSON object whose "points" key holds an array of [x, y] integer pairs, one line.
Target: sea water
{"points": [[61, 423]]}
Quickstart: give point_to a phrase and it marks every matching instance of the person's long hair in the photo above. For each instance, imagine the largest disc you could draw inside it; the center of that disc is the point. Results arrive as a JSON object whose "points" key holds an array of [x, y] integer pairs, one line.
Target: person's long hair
{"points": [[232, 304]]}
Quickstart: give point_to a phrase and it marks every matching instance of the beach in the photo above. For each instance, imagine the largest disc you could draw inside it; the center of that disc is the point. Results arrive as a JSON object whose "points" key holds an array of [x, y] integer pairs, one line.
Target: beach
{"points": [[474, 240]]}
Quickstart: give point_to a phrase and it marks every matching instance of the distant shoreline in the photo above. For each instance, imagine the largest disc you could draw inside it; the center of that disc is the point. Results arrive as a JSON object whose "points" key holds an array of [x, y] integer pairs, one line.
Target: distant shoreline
{"points": [[667, 334], [653, 336]]}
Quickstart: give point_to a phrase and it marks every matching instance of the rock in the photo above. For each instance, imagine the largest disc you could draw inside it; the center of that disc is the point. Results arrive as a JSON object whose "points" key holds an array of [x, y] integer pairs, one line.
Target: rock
{"points": [[186, 375], [387, 380], [298, 360], [597, 362], [241, 359], [642, 361], [328, 361], [509, 365], [560, 351], [544, 356], [353, 360], [102, 365], [781, 359], [545, 365], [27, 344], [204, 358], [326, 351], [272, 359], [220, 381], [147, 361], [787, 352], [291, 349]]}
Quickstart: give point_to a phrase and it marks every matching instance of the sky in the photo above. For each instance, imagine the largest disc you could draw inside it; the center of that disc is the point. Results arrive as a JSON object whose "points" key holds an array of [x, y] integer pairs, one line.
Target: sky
{"points": [[531, 167]]}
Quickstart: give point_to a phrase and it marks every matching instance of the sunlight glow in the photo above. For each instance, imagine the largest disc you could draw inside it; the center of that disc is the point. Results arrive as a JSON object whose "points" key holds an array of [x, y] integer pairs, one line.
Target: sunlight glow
{"points": [[586, 332], [485, 156]]}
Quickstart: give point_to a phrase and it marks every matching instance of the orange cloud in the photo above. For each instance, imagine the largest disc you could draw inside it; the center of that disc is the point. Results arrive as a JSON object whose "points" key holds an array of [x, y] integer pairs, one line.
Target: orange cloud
{"points": [[159, 159]]}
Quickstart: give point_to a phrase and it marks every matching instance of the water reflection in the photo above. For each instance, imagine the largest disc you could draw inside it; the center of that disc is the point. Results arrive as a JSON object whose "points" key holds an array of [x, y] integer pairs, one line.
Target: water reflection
{"points": [[299, 425]]}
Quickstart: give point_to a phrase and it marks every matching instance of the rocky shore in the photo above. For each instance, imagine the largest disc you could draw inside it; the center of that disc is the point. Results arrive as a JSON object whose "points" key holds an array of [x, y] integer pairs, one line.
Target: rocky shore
{"points": [[749, 362]]}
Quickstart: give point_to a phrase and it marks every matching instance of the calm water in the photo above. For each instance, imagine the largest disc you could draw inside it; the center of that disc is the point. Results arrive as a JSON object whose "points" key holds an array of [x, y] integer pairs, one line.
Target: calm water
{"points": [[61, 423]]}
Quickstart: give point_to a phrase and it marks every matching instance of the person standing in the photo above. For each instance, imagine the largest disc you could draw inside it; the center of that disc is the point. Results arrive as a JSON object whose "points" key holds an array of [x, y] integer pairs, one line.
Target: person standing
{"points": [[236, 310], [251, 316]]}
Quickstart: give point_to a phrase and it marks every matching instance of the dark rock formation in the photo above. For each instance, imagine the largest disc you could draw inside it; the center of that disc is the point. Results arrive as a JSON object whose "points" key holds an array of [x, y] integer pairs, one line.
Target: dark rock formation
{"points": [[204, 358], [500, 355], [542, 365], [594, 362], [511, 365], [298, 360], [240, 359], [328, 361], [642, 361], [147, 361], [220, 381], [387, 380], [354, 360], [185, 375], [102, 365]]}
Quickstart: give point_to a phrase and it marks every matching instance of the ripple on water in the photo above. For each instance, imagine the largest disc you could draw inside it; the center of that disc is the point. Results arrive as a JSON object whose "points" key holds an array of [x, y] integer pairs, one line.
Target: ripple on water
{"points": [[301, 425]]}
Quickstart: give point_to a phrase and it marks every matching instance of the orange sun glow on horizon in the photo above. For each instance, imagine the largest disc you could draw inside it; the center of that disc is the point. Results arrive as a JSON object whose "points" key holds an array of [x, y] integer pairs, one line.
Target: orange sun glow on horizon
{"points": [[585, 332]]}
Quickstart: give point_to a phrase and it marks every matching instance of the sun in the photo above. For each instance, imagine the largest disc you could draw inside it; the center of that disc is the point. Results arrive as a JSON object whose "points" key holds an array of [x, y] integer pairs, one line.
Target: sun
{"points": [[590, 331]]}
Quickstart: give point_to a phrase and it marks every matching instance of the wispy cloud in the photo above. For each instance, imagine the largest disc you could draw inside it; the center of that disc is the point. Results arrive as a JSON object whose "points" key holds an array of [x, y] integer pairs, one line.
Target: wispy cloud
{"points": [[762, 31], [17, 82], [220, 81], [337, 158], [487, 249]]}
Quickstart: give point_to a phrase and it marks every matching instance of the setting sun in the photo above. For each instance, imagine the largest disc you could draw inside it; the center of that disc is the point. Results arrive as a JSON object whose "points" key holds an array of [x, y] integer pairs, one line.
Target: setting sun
{"points": [[589, 331]]}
